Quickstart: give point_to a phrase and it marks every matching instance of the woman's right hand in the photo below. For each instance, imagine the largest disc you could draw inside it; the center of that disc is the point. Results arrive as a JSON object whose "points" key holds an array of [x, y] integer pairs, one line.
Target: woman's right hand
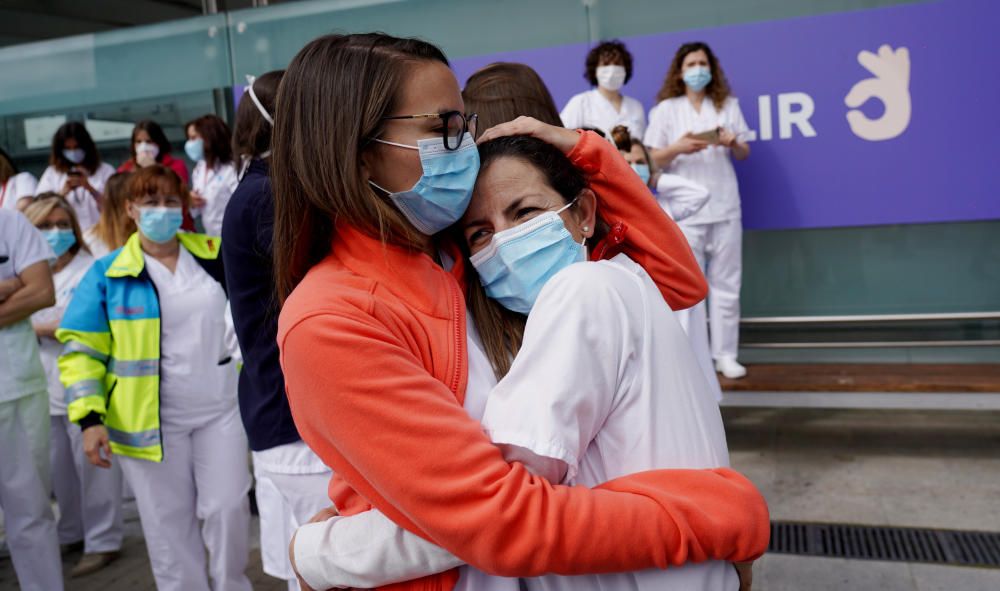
{"points": [[560, 137], [688, 144], [95, 439]]}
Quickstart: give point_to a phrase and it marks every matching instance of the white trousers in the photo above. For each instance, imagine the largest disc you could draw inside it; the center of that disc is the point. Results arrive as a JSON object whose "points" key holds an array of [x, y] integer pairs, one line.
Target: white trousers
{"points": [[286, 501], [719, 250], [90, 498], [24, 492], [196, 499]]}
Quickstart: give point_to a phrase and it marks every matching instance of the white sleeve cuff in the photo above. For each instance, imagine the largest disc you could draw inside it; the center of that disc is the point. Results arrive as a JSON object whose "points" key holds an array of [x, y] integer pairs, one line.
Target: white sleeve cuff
{"points": [[365, 551]]}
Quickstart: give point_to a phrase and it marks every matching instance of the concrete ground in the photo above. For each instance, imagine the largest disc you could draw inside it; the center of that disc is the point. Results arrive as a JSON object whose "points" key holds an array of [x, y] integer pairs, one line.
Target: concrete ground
{"points": [[925, 469], [887, 467]]}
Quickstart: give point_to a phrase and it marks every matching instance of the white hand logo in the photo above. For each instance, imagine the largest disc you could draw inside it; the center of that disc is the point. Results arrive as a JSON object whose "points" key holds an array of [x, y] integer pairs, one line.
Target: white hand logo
{"points": [[891, 85]]}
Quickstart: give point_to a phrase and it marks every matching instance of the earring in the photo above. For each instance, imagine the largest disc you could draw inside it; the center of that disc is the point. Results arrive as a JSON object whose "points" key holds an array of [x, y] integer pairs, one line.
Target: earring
{"points": [[585, 228]]}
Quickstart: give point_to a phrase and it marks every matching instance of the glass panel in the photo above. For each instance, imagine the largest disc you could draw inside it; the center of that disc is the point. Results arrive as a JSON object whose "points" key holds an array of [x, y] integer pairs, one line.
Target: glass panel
{"points": [[920, 268], [268, 38], [645, 17], [27, 136], [134, 63]]}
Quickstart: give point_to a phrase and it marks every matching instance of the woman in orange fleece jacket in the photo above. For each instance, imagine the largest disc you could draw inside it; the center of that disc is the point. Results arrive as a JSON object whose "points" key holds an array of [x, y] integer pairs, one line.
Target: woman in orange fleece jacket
{"points": [[373, 338]]}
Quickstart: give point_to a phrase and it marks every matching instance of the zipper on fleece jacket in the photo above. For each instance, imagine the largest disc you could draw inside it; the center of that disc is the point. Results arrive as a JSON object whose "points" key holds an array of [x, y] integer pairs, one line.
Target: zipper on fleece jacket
{"points": [[457, 319]]}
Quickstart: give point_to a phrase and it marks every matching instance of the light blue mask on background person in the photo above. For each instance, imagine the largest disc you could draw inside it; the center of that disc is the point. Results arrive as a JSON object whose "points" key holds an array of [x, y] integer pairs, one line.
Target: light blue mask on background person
{"points": [[642, 170], [697, 77], [195, 149], [519, 261], [160, 224], [75, 156], [443, 191], [60, 240]]}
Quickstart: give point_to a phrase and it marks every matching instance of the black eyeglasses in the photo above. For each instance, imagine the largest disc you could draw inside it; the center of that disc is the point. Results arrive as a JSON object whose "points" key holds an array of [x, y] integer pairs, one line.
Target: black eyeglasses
{"points": [[454, 125]]}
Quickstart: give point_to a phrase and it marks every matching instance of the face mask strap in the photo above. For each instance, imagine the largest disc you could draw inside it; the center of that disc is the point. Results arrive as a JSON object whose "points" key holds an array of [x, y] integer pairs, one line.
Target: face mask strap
{"points": [[388, 143], [256, 101]]}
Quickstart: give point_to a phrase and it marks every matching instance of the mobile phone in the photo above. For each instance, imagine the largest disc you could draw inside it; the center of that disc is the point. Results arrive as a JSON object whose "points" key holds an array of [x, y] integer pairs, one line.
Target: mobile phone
{"points": [[711, 136], [74, 172]]}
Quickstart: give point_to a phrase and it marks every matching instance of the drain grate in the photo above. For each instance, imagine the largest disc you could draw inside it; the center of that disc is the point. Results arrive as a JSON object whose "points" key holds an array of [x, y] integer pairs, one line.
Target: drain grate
{"points": [[897, 544]]}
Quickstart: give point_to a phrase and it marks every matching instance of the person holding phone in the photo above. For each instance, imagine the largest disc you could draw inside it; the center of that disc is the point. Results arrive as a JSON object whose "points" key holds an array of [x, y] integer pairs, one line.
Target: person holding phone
{"points": [[694, 138], [76, 172]]}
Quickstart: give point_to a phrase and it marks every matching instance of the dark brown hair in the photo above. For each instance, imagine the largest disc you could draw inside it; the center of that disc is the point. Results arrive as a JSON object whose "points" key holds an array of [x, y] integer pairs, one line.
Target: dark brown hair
{"points": [[501, 330], [157, 180], [76, 131], [332, 100], [624, 141], [215, 134], [504, 91], [251, 132], [607, 51], [673, 85], [115, 226], [155, 133]]}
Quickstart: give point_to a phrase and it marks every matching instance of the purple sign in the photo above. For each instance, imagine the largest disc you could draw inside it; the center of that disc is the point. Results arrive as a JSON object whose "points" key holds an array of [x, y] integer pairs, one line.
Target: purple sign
{"points": [[882, 116]]}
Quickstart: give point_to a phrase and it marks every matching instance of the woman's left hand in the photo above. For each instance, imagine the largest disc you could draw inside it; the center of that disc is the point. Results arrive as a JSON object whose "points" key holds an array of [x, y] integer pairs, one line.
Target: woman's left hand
{"points": [[726, 137], [560, 137]]}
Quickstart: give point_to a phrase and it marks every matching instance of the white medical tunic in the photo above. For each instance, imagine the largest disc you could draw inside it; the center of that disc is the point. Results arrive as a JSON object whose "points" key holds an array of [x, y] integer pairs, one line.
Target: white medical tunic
{"points": [[84, 204], [606, 381], [65, 280], [711, 167], [21, 246], [591, 109], [197, 371], [216, 187]]}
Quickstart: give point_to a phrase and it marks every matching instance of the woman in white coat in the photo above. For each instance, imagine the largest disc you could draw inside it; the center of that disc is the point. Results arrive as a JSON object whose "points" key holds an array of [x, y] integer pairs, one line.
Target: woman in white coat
{"points": [[89, 498], [693, 131], [76, 172], [680, 198], [215, 176], [608, 68]]}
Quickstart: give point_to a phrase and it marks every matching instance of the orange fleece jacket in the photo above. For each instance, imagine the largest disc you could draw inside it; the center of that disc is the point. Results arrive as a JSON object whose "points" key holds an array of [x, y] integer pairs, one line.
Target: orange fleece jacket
{"points": [[373, 347]]}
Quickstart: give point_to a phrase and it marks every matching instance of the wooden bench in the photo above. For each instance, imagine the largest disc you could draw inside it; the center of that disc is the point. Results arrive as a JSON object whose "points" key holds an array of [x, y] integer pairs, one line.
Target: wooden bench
{"points": [[930, 386]]}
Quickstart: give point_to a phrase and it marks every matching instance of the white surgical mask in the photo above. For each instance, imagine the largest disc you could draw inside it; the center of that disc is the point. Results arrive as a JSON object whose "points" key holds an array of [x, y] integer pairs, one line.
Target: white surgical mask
{"points": [[611, 77], [147, 148]]}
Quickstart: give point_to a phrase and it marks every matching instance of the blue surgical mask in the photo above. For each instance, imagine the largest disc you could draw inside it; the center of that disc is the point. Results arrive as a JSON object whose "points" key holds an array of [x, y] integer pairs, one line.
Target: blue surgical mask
{"points": [[60, 240], [642, 170], [520, 260], [697, 77], [195, 149], [443, 191], [160, 224], [75, 155]]}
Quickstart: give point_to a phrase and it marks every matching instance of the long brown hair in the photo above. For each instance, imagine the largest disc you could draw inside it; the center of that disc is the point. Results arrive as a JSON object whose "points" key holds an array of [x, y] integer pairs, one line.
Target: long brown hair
{"points": [[331, 101], [251, 132], [673, 85], [501, 330], [155, 132], [78, 132], [216, 139], [41, 207], [504, 91], [115, 226]]}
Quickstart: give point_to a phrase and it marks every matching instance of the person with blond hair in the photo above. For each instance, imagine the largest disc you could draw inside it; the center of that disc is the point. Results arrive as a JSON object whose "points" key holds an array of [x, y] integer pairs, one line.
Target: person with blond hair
{"points": [[89, 498]]}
